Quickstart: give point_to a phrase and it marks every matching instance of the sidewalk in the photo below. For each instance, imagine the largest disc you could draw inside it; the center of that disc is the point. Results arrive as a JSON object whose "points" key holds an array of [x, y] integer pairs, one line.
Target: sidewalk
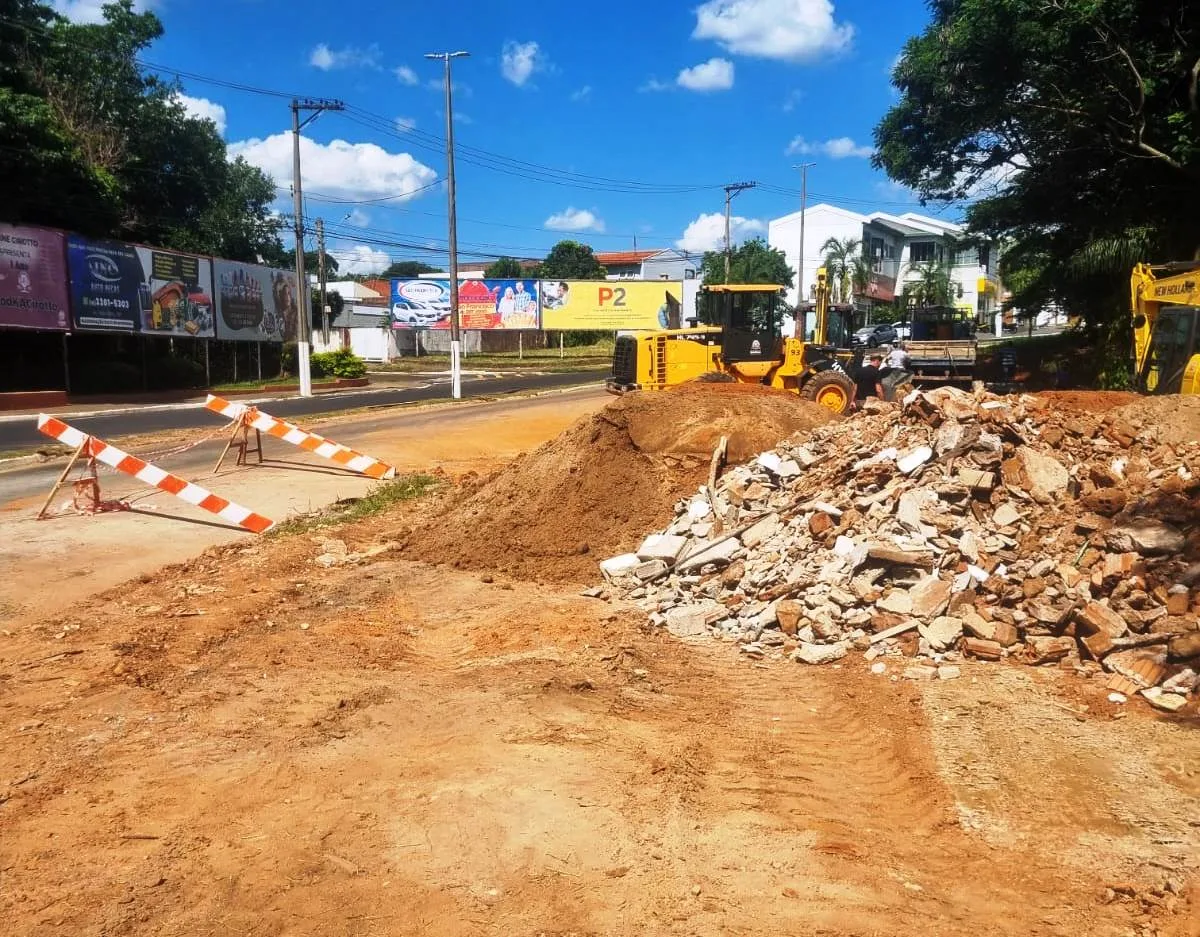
{"points": [[127, 405]]}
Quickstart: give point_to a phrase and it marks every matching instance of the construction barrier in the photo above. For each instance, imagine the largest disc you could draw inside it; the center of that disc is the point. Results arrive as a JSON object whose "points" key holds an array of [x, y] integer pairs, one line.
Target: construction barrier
{"points": [[252, 417], [122, 461]]}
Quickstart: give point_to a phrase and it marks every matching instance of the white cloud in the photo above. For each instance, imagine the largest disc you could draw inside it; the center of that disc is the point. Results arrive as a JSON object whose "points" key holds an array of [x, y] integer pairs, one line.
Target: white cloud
{"points": [[582, 94], [358, 218], [713, 75], [203, 109], [655, 85], [837, 148], [92, 11], [360, 260], [519, 60], [339, 168], [707, 233], [406, 76], [794, 30], [995, 180], [794, 97], [575, 219], [405, 124], [327, 59]]}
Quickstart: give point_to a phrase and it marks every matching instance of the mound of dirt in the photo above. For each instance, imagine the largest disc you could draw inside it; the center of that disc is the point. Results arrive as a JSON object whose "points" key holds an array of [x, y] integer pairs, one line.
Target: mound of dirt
{"points": [[1089, 401], [1176, 418], [597, 488]]}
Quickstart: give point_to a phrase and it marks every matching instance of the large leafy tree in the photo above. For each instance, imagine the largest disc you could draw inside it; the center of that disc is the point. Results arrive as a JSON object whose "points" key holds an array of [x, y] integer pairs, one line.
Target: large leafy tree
{"points": [[504, 268], [95, 144], [1074, 123], [402, 269], [570, 260], [753, 261]]}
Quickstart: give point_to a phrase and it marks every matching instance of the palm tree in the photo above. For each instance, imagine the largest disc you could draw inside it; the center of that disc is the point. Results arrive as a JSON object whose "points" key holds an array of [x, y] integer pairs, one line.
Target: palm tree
{"points": [[933, 286], [860, 274], [839, 259]]}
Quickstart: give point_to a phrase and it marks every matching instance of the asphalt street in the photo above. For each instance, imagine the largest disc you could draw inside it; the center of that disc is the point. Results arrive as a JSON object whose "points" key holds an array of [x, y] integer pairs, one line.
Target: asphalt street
{"points": [[22, 433]]}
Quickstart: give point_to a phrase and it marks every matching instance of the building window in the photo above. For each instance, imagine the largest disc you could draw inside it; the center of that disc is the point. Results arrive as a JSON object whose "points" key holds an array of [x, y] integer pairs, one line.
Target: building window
{"points": [[920, 252], [689, 274]]}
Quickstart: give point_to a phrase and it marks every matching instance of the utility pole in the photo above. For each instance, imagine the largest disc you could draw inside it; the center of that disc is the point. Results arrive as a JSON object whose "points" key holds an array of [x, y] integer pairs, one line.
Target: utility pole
{"points": [[304, 326], [730, 191], [455, 339], [800, 297], [321, 279]]}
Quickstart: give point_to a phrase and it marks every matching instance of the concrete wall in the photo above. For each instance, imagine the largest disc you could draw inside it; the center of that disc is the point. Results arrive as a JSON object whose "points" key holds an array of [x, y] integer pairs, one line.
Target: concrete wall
{"points": [[821, 223]]}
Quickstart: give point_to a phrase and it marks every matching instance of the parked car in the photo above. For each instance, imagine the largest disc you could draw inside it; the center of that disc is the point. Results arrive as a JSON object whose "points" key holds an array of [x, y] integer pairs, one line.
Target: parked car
{"points": [[903, 331], [874, 335]]}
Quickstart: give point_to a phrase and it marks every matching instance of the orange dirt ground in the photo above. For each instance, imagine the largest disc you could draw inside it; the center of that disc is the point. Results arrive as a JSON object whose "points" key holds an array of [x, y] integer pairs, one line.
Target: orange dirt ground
{"points": [[600, 486], [248, 743]]}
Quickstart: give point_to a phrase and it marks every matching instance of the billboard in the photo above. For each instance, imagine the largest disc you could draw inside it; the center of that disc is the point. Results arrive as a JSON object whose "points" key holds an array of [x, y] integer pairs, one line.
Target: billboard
{"points": [[117, 287], [482, 304], [610, 304], [255, 304], [33, 278]]}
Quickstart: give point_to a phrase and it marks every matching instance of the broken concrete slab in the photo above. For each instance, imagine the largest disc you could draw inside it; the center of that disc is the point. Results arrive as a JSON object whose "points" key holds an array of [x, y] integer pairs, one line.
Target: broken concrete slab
{"points": [[819, 653], [1146, 536], [665, 547]]}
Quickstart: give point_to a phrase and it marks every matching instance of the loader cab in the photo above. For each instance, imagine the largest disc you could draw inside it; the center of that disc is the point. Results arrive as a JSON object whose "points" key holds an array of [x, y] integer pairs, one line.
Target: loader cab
{"points": [[1172, 365], [749, 318]]}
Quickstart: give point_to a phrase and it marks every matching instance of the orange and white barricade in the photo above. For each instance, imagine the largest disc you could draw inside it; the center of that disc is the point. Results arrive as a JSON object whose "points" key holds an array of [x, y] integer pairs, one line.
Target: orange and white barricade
{"points": [[252, 417], [99, 450]]}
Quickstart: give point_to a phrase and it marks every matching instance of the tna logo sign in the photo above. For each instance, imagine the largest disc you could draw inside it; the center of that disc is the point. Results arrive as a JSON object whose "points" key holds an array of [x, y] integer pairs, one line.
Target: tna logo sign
{"points": [[103, 268]]}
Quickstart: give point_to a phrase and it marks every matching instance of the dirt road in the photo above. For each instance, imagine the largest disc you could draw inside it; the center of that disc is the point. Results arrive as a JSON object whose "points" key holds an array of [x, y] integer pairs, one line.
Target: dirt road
{"points": [[49, 564], [253, 745]]}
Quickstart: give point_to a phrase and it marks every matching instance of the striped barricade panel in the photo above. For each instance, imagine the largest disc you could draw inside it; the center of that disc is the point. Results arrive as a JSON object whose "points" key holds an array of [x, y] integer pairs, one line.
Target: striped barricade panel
{"points": [[152, 475], [310, 442]]}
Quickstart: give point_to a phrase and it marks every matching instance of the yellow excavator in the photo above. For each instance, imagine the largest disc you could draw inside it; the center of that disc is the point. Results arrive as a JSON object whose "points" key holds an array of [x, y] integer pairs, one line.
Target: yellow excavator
{"points": [[1165, 305], [737, 338]]}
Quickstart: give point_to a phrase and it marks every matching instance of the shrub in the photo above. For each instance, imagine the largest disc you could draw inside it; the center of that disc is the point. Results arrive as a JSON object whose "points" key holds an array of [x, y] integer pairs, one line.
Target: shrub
{"points": [[342, 363]]}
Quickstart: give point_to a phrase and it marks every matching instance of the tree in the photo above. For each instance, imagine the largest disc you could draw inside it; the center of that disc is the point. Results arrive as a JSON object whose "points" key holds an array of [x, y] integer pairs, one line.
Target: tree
{"points": [[504, 268], [933, 286], [860, 274], [103, 148], [407, 269], [753, 261], [1076, 125], [570, 260], [839, 262], [312, 263]]}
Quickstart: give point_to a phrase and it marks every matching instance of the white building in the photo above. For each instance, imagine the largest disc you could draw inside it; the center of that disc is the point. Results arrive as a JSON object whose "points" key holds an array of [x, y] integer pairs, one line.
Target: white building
{"points": [[896, 245]]}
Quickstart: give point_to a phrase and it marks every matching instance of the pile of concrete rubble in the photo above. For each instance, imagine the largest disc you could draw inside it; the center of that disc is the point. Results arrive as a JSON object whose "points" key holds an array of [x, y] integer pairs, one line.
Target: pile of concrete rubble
{"points": [[951, 525]]}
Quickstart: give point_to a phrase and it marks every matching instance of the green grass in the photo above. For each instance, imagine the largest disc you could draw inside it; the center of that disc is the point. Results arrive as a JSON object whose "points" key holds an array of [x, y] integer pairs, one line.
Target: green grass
{"points": [[249, 385], [540, 359], [377, 500]]}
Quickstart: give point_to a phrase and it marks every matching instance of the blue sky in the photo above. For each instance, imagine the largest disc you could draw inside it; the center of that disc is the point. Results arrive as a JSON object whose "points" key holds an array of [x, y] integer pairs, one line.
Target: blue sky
{"points": [[666, 95]]}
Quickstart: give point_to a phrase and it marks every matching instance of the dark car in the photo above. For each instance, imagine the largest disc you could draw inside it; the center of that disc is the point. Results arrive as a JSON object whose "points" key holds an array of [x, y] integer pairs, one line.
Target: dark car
{"points": [[874, 335]]}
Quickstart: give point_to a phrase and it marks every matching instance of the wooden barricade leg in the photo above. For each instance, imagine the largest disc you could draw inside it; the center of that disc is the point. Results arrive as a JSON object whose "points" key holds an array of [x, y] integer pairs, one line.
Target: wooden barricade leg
{"points": [[63, 477]]}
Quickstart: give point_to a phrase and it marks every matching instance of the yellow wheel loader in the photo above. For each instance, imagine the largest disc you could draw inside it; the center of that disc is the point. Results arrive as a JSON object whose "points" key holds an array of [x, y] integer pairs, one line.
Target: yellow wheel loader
{"points": [[1165, 305], [737, 339]]}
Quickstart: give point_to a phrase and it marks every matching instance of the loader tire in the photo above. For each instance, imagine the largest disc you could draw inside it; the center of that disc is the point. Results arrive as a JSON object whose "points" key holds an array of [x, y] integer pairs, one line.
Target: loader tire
{"points": [[715, 377], [831, 389]]}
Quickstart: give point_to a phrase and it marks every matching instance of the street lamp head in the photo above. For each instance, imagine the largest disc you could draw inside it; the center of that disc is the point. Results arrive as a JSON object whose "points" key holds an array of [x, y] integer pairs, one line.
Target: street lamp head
{"points": [[445, 55]]}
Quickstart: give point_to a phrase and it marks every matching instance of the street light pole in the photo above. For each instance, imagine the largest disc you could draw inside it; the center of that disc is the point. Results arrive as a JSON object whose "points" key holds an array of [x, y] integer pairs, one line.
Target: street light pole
{"points": [[455, 335], [803, 167], [304, 325]]}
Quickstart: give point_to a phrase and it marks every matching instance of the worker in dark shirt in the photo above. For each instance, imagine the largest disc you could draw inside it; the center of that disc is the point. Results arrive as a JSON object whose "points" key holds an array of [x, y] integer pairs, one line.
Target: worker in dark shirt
{"points": [[868, 379]]}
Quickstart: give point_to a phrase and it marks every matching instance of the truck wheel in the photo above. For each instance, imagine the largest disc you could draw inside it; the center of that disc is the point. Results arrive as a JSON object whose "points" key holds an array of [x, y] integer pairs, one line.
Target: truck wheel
{"points": [[715, 377], [831, 389]]}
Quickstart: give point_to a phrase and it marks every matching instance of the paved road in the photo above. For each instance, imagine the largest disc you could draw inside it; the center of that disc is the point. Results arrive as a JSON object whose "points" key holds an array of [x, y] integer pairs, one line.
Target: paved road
{"points": [[21, 434]]}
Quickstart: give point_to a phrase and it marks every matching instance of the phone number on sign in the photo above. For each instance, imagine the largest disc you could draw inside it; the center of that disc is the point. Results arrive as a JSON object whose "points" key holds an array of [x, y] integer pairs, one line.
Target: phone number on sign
{"points": [[102, 303]]}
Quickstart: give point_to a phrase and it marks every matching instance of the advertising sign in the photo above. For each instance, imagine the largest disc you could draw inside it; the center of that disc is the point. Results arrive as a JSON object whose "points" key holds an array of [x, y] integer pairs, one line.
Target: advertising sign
{"points": [[33, 278], [482, 304], [108, 290], [117, 287], [256, 304], [610, 304], [180, 287]]}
